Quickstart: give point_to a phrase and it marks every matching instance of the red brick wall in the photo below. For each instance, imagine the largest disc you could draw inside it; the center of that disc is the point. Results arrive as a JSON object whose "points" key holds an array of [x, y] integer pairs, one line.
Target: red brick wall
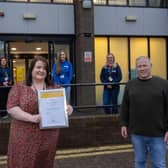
{"points": [[83, 131]]}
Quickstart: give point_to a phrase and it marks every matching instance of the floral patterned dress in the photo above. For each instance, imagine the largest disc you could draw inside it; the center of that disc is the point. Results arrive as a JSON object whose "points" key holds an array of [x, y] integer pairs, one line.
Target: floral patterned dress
{"points": [[29, 147]]}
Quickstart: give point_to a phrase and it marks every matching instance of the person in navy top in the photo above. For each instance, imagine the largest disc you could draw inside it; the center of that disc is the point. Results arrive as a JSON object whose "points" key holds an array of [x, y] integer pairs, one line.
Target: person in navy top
{"points": [[5, 73], [62, 73], [111, 73]]}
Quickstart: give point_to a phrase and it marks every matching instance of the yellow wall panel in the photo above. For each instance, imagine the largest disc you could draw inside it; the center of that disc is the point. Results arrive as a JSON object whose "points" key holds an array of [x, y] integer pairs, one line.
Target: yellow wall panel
{"points": [[119, 47], [100, 59], [138, 47], [158, 56]]}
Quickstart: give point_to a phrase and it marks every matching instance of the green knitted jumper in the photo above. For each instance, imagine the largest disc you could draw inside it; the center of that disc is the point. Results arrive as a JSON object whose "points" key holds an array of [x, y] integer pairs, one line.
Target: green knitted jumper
{"points": [[145, 107]]}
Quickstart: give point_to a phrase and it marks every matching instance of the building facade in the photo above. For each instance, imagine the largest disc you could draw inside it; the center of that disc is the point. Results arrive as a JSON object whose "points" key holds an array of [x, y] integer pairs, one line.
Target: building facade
{"points": [[87, 30]]}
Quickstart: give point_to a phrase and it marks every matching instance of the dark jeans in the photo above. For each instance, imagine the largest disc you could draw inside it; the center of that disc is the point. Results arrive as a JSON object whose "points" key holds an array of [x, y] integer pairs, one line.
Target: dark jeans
{"points": [[110, 96], [155, 146]]}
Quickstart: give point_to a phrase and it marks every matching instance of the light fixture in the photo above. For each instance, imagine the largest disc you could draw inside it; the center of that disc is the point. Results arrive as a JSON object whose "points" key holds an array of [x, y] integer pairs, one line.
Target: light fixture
{"points": [[13, 49], [16, 56], [38, 48], [29, 16], [86, 4], [130, 18]]}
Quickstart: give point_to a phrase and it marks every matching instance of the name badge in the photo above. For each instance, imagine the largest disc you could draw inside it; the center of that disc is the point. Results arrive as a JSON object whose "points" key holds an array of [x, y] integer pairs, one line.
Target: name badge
{"points": [[61, 76], [110, 78], [6, 78]]}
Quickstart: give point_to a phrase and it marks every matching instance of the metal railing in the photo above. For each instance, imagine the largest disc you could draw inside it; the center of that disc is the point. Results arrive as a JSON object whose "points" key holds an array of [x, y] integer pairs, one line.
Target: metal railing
{"points": [[5, 90], [95, 106]]}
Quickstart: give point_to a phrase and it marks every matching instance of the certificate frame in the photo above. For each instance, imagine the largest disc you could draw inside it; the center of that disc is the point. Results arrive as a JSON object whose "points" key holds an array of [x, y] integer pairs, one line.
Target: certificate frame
{"points": [[52, 108]]}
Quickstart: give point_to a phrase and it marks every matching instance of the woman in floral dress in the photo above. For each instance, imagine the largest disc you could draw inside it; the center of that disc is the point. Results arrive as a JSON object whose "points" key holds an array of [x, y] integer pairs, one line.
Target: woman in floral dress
{"points": [[30, 147]]}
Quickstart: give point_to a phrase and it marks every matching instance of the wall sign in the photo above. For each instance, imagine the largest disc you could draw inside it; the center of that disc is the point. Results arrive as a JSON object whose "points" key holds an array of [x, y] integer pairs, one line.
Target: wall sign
{"points": [[88, 56]]}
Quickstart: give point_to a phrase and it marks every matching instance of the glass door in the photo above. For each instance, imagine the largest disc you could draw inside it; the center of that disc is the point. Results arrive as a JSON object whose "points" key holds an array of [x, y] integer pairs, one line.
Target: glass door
{"points": [[19, 70], [21, 54], [54, 51], [2, 48]]}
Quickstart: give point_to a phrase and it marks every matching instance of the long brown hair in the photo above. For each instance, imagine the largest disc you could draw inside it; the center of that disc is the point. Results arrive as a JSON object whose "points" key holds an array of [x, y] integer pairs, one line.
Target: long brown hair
{"points": [[29, 73], [58, 63]]}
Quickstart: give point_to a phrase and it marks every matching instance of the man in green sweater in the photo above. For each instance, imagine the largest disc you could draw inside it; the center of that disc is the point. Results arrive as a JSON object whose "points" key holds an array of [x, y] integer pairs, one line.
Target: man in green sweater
{"points": [[144, 111]]}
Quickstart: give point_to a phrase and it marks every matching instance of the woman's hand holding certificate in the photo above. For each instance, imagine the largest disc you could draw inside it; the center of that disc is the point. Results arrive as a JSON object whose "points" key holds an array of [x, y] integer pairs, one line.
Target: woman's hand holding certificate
{"points": [[69, 109]]}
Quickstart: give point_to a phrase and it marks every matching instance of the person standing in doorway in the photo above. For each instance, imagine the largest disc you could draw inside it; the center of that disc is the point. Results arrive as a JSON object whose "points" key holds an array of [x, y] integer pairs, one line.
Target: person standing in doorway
{"points": [[144, 111], [62, 73], [5, 73], [110, 73]]}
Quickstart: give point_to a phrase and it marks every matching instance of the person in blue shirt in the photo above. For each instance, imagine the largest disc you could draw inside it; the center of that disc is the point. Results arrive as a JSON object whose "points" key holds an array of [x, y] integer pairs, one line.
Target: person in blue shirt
{"points": [[5, 73], [110, 73], [62, 73]]}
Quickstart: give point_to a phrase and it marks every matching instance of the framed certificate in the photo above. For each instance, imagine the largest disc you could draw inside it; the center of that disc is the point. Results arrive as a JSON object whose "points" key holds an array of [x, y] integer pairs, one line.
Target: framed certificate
{"points": [[53, 108]]}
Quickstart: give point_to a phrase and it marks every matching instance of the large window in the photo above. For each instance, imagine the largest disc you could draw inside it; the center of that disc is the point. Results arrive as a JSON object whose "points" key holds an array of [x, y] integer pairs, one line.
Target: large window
{"points": [[1, 48], [158, 3], [21, 54], [158, 56], [100, 2], [39, 0], [138, 47], [121, 57], [101, 50], [117, 2], [49, 1], [137, 2], [63, 1], [17, 0], [147, 3], [116, 43], [126, 50], [134, 3]]}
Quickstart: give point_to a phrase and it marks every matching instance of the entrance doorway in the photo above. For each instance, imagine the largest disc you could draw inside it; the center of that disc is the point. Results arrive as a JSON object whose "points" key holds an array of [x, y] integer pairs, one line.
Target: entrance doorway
{"points": [[21, 54]]}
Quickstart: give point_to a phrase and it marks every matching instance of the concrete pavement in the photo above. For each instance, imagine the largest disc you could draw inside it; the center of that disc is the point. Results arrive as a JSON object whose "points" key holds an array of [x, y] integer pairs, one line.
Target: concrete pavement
{"points": [[118, 156]]}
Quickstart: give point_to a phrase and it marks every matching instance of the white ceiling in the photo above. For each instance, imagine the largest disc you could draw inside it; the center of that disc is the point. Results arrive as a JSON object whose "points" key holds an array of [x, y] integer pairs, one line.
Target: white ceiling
{"points": [[29, 47]]}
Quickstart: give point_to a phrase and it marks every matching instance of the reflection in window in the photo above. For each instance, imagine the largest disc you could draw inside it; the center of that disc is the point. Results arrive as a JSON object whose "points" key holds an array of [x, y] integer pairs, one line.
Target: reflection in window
{"points": [[157, 3], [154, 3], [117, 2], [17, 0], [1, 48], [137, 2], [99, 2], [40, 0], [63, 1], [56, 1]]}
